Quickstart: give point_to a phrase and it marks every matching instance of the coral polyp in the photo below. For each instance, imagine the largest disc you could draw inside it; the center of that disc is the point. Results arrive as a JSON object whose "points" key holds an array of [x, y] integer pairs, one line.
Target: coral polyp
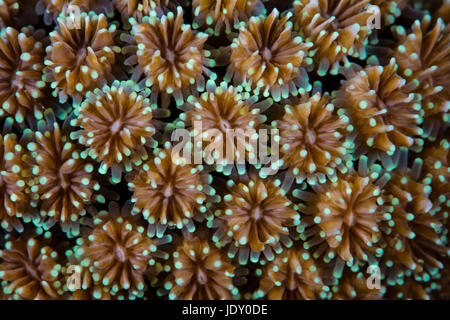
{"points": [[355, 285], [292, 275], [343, 217], [8, 9], [389, 10], [423, 54], [81, 55], [254, 217], [200, 271], [80, 282], [14, 182], [30, 270], [64, 182], [171, 55], [138, 9], [21, 64], [52, 9], [382, 107], [219, 114], [441, 282], [414, 237], [225, 15], [409, 289], [169, 191], [313, 138], [116, 126], [17, 14], [269, 58], [436, 166], [119, 251], [82, 286], [337, 28]]}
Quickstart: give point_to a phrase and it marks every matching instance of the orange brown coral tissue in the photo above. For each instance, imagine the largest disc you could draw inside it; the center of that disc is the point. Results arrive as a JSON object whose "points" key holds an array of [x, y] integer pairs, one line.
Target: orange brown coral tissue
{"points": [[409, 289], [138, 9], [417, 9], [64, 184], [269, 58], [8, 9], [390, 9], [343, 217], [414, 237], [224, 15], [51, 9], [21, 65], [80, 282], [200, 271], [17, 14], [221, 110], [117, 124], [354, 285], [443, 11], [436, 165], [313, 139], [119, 250], [31, 270], [81, 55], [382, 107], [14, 182], [423, 54], [171, 192], [291, 275], [442, 282], [255, 216], [79, 278], [170, 55], [337, 28]]}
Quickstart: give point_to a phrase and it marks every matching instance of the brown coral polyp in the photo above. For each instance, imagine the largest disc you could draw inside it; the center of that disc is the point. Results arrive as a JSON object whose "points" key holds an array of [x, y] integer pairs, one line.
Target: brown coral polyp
{"points": [[21, 65], [337, 28], [383, 108], [138, 9], [119, 250], [200, 271], [343, 217], [8, 9], [31, 270], [255, 216], [292, 275], [117, 126], [64, 184], [223, 112], [436, 165], [390, 10], [414, 237], [52, 9], [225, 15], [171, 55], [356, 286], [14, 182], [423, 54], [313, 138], [81, 55], [170, 192], [269, 58]]}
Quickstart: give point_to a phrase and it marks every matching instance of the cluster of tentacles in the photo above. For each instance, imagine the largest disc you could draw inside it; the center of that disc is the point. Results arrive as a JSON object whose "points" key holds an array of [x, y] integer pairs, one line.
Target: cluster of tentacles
{"points": [[224, 149]]}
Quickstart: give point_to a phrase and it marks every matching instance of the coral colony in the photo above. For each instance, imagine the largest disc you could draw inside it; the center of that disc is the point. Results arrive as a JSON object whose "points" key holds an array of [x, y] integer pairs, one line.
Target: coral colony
{"points": [[232, 149]]}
